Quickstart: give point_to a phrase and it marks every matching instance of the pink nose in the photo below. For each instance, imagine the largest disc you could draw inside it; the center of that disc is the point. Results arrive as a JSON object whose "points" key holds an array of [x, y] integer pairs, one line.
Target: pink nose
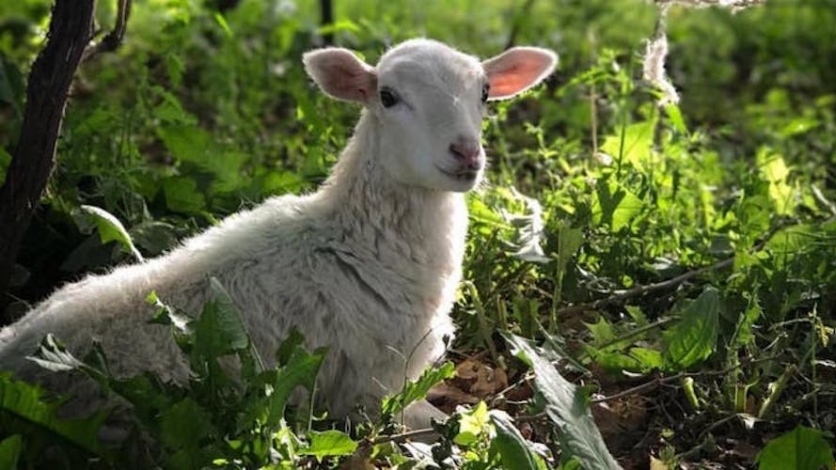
{"points": [[467, 152]]}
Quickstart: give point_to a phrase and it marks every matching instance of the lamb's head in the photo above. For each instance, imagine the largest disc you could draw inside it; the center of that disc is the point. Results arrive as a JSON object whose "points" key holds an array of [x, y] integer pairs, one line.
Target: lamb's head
{"points": [[428, 101]]}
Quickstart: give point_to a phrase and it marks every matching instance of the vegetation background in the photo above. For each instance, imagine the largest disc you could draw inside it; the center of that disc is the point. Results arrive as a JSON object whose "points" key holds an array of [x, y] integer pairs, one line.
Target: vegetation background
{"points": [[676, 261]]}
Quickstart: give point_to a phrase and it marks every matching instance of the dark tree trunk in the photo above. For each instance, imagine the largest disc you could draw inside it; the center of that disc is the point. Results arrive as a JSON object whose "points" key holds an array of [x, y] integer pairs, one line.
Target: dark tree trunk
{"points": [[70, 30], [327, 10]]}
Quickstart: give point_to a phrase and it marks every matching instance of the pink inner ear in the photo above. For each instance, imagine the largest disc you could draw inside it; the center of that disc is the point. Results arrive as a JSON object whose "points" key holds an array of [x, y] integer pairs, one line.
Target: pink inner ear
{"points": [[348, 83], [517, 70], [340, 74]]}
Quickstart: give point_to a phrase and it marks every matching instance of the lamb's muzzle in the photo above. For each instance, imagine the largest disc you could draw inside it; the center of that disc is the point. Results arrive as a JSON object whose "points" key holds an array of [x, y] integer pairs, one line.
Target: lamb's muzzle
{"points": [[367, 265]]}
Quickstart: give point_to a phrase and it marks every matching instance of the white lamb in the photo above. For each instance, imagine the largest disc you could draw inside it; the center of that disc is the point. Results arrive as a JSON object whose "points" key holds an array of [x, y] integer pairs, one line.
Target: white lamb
{"points": [[366, 265]]}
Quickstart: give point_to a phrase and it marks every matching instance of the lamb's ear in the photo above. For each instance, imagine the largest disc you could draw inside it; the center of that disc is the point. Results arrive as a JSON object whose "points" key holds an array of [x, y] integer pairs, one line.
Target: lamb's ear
{"points": [[339, 73], [517, 70]]}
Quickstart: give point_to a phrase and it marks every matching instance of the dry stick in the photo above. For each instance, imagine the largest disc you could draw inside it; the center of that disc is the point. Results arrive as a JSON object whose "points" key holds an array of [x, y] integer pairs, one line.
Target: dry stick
{"points": [[398, 438], [639, 290], [662, 380]]}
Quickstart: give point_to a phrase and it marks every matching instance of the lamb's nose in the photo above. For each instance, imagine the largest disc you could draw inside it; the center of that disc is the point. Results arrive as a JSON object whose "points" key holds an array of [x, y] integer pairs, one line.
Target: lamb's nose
{"points": [[468, 152]]}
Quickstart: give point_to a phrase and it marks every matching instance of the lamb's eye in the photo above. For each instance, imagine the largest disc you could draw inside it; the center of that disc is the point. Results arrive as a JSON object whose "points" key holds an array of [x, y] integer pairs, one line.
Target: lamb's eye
{"points": [[388, 98], [486, 88]]}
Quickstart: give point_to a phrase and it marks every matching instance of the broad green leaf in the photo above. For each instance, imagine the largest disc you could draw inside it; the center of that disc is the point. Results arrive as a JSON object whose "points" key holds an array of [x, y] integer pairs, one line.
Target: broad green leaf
{"points": [[615, 205], [27, 403], [182, 427], [637, 142], [567, 407], [648, 358], [417, 390], [472, 425], [184, 424], [775, 171], [799, 125], [331, 443], [10, 451], [110, 229], [220, 329], [514, 451], [301, 370], [181, 195], [694, 338], [675, 115], [802, 448], [200, 148], [154, 237]]}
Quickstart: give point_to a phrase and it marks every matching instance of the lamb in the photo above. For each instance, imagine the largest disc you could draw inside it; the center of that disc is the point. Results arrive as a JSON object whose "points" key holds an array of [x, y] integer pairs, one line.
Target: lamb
{"points": [[367, 264]]}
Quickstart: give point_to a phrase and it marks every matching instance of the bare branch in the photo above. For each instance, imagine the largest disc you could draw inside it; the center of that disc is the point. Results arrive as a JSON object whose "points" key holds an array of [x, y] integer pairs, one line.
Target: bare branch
{"points": [[114, 38]]}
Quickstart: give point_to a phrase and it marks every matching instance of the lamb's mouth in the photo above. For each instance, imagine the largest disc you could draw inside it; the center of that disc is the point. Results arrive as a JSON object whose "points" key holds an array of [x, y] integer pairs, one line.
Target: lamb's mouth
{"points": [[462, 175]]}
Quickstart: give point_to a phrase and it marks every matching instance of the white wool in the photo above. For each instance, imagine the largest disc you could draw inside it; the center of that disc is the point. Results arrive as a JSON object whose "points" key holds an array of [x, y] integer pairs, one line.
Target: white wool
{"points": [[368, 265]]}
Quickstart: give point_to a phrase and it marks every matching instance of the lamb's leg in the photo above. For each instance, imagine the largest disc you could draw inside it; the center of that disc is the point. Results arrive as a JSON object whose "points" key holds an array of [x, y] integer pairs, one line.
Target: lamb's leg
{"points": [[418, 415]]}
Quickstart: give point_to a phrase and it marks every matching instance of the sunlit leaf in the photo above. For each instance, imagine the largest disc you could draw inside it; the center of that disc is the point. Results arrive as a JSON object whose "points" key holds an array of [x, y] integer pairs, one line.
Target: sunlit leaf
{"points": [[330, 443], [634, 146], [775, 171], [675, 115], [514, 451], [694, 338], [27, 402], [10, 448], [472, 424], [568, 408], [802, 448], [417, 390], [616, 205], [111, 229]]}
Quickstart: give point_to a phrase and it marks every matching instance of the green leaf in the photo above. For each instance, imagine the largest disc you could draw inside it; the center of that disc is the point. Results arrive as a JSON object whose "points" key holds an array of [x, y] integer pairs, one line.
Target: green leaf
{"points": [[184, 424], [616, 205], [181, 195], [182, 428], [220, 329], [802, 448], [567, 407], [219, 18], [775, 171], [108, 226], [472, 425], [694, 338], [514, 451], [417, 390], [648, 358], [331, 443], [637, 143], [196, 146], [301, 370], [675, 115], [10, 451], [26, 402]]}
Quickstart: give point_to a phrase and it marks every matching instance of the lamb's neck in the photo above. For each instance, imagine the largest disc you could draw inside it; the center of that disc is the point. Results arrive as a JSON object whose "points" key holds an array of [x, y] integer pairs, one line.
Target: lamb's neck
{"points": [[414, 221]]}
